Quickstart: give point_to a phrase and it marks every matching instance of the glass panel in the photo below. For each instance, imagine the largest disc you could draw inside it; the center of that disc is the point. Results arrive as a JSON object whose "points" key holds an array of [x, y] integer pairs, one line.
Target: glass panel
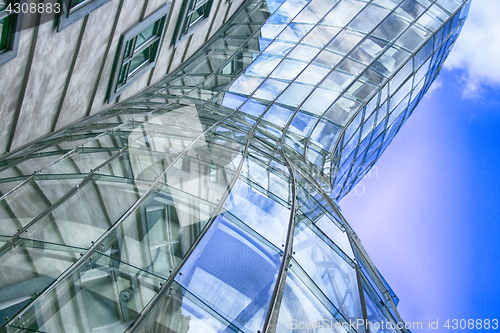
{"points": [[6, 186], [254, 108], [325, 135], [313, 74], [412, 38], [304, 53], [313, 12], [321, 35], [74, 3], [279, 186], [207, 170], [86, 215], [101, 295], [278, 115], [345, 41], [300, 309], [181, 312], [392, 26], [198, 14], [147, 34], [319, 100], [288, 69], [287, 10], [351, 129], [270, 89], [232, 101], [195, 16], [157, 235], [238, 287], [27, 270], [376, 318], [368, 18], [410, 10], [338, 236], [367, 50], [82, 161], [342, 110], [28, 201], [263, 65], [302, 123], [271, 30], [30, 165], [449, 5], [4, 24], [245, 85], [390, 60], [122, 77], [294, 95], [351, 67], [337, 80], [140, 59], [343, 12], [332, 274], [264, 215]]}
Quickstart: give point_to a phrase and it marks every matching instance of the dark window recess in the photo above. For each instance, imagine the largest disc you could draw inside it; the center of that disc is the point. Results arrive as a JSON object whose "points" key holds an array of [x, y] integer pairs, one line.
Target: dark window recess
{"points": [[234, 66], [73, 10], [9, 33], [138, 51], [193, 14]]}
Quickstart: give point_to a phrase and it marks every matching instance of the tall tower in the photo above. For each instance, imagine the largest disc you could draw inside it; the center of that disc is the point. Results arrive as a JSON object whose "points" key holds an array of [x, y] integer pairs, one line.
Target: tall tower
{"points": [[208, 202]]}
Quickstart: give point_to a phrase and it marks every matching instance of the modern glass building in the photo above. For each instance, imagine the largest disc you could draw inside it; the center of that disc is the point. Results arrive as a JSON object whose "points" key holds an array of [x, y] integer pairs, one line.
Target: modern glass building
{"points": [[208, 202]]}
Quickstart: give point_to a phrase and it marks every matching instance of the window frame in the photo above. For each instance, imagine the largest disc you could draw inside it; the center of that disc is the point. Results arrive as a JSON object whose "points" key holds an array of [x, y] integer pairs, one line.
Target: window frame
{"points": [[185, 27], [234, 66], [13, 34], [71, 15], [122, 59]]}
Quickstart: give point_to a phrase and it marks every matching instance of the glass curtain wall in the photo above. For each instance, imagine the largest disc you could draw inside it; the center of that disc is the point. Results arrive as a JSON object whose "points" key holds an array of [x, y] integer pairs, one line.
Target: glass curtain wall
{"points": [[208, 202]]}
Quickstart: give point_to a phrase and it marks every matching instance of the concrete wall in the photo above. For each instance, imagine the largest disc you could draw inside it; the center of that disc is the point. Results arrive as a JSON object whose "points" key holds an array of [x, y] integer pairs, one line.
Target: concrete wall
{"points": [[60, 77]]}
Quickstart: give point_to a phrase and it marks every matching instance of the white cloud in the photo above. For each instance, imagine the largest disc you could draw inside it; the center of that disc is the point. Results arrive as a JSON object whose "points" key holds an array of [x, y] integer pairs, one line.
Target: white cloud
{"points": [[437, 84], [477, 50]]}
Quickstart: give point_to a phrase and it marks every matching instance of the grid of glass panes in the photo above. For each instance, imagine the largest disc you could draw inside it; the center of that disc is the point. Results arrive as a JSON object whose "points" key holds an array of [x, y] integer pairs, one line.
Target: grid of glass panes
{"points": [[207, 163], [375, 126]]}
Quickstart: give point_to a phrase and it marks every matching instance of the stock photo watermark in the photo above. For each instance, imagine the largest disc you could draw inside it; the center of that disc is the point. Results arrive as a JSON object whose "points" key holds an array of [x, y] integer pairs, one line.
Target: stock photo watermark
{"points": [[357, 325], [361, 324], [358, 173]]}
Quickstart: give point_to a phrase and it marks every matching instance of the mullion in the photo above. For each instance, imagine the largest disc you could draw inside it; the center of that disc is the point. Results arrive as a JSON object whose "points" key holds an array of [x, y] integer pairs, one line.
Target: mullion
{"points": [[199, 18], [122, 80], [127, 61], [78, 5], [147, 61], [197, 6], [193, 8], [157, 25], [145, 45]]}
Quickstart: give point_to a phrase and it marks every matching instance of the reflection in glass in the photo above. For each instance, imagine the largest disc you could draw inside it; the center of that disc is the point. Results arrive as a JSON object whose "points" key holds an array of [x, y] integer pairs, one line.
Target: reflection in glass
{"points": [[239, 287]]}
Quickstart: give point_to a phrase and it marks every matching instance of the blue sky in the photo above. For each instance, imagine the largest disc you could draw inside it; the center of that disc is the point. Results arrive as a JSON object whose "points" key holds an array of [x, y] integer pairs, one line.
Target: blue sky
{"points": [[428, 215]]}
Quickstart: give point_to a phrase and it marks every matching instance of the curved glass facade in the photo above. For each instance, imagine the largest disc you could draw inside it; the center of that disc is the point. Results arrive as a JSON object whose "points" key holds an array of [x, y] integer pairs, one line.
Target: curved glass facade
{"points": [[208, 203]]}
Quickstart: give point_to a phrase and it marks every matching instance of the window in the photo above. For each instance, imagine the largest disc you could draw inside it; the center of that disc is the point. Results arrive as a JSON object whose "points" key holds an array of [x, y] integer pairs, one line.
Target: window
{"points": [[234, 66], [9, 33], [73, 10], [138, 51], [194, 12]]}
